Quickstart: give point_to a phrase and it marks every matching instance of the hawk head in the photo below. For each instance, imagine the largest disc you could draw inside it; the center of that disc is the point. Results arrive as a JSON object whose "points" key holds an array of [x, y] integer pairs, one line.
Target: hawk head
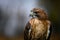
{"points": [[39, 13]]}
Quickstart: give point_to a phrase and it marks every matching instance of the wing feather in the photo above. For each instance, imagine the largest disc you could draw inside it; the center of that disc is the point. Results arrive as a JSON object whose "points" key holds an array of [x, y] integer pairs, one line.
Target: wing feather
{"points": [[27, 31], [50, 29]]}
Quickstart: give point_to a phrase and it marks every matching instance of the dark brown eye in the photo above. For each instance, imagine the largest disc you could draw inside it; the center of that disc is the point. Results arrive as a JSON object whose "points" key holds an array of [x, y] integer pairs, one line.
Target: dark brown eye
{"points": [[35, 12]]}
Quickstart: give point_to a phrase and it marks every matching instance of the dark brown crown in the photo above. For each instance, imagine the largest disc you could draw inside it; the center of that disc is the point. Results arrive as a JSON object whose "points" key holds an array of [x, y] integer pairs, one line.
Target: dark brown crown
{"points": [[40, 12]]}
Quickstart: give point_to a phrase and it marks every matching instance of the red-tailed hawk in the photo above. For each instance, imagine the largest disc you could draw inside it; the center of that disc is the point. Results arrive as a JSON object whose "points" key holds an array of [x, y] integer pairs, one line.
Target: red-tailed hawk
{"points": [[38, 28]]}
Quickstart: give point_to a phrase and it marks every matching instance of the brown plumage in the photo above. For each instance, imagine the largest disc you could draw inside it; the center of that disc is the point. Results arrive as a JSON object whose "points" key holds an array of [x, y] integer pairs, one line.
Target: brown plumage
{"points": [[38, 27]]}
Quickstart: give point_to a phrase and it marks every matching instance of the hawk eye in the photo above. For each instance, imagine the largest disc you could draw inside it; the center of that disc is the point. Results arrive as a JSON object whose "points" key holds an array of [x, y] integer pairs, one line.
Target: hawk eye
{"points": [[35, 12]]}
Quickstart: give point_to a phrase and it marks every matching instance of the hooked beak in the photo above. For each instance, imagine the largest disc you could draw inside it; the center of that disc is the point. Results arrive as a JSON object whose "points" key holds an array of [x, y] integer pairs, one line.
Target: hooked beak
{"points": [[31, 14]]}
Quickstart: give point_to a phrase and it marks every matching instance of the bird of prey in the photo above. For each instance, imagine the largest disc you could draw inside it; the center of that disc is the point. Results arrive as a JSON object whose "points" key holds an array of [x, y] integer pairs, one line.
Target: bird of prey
{"points": [[39, 26]]}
